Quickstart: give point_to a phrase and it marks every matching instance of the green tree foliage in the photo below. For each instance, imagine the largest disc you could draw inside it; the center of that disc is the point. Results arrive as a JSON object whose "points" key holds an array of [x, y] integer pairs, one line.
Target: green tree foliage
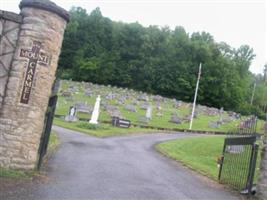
{"points": [[160, 61]]}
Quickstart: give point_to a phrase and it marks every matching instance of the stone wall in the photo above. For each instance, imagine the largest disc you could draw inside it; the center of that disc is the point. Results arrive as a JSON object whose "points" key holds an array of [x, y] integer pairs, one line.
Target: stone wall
{"points": [[9, 30], [29, 82]]}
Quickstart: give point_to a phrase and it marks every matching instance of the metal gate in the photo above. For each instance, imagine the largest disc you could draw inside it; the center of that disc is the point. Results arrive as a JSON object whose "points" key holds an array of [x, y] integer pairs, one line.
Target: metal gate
{"points": [[239, 162], [47, 129], [239, 158]]}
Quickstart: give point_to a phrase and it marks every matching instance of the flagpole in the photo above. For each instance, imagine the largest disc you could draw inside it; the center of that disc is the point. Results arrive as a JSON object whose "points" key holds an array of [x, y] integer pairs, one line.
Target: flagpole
{"points": [[252, 96], [195, 98]]}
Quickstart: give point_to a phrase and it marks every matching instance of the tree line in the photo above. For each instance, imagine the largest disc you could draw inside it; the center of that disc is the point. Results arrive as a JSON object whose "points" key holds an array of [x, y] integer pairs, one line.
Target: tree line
{"points": [[161, 61]]}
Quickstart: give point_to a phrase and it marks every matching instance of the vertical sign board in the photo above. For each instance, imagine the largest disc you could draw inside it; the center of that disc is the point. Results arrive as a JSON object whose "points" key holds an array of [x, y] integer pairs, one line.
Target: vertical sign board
{"points": [[35, 56]]}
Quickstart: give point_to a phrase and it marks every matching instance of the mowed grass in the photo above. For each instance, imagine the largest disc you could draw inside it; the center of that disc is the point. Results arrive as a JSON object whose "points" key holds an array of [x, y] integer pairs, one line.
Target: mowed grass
{"points": [[201, 153], [101, 130], [198, 153], [200, 123]]}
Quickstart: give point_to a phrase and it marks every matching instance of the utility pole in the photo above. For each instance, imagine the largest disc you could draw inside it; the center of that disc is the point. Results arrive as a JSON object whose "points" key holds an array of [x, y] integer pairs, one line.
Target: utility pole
{"points": [[253, 92], [195, 98], [265, 73]]}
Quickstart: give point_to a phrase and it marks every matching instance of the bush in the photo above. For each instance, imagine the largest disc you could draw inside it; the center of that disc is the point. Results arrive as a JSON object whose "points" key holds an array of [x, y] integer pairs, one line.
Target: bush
{"points": [[247, 109], [89, 126]]}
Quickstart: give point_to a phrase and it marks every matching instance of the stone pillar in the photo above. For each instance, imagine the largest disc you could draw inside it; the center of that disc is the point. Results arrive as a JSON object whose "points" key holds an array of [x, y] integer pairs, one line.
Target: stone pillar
{"points": [[29, 83]]}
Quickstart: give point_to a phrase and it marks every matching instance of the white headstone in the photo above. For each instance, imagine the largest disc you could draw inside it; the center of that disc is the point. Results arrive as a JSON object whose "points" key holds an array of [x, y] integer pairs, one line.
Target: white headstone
{"points": [[72, 111], [221, 114], [149, 112], [71, 117], [95, 113]]}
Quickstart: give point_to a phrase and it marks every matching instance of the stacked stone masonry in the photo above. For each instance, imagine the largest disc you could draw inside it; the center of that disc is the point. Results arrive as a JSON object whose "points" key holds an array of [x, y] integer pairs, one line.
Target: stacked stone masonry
{"points": [[27, 71], [9, 29]]}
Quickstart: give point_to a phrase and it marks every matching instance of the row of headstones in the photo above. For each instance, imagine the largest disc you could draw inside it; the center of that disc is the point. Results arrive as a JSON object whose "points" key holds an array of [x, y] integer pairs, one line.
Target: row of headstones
{"points": [[137, 96], [71, 116], [90, 89], [119, 94], [114, 112]]}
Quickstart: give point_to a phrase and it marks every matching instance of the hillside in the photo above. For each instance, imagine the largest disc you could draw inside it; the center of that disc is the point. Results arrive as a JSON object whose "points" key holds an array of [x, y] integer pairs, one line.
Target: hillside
{"points": [[159, 60], [132, 105]]}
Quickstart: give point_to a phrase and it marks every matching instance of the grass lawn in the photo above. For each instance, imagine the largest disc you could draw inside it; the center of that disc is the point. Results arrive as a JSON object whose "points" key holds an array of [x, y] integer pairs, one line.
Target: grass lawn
{"points": [[200, 123], [53, 140], [201, 153], [198, 153], [102, 130]]}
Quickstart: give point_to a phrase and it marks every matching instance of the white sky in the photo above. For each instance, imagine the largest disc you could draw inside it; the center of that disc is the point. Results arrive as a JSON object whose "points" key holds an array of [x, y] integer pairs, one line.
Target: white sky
{"points": [[235, 22]]}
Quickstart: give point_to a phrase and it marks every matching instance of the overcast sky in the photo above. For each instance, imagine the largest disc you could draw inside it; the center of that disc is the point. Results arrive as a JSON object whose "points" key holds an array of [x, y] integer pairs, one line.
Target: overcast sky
{"points": [[235, 22]]}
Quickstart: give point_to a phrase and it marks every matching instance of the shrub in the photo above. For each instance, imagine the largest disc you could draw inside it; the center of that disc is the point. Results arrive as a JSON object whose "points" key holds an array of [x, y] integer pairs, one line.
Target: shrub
{"points": [[89, 126]]}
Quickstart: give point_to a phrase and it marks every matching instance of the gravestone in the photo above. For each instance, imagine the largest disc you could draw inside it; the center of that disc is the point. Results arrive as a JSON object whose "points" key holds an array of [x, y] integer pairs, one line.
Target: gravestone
{"points": [[70, 98], [130, 108], [143, 119], [214, 125], [177, 104], [159, 114], [143, 97], [157, 98], [83, 107], [149, 112], [144, 106], [66, 94], [175, 119], [135, 102], [30, 45], [221, 115], [159, 108], [71, 117], [88, 93], [115, 113], [110, 107], [235, 149], [95, 114], [109, 96], [187, 118]]}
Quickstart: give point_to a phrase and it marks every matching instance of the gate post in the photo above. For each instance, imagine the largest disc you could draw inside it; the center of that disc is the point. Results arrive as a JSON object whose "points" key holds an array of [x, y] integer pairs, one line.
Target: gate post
{"points": [[30, 79], [252, 167]]}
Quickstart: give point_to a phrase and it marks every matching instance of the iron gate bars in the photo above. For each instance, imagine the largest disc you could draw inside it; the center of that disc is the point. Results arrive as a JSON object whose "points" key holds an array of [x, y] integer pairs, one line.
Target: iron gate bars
{"points": [[47, 129], [238, 163]]}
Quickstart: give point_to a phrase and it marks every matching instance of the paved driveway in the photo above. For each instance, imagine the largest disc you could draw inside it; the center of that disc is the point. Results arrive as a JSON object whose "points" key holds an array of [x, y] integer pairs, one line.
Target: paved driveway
{"points": [[127, 167]]}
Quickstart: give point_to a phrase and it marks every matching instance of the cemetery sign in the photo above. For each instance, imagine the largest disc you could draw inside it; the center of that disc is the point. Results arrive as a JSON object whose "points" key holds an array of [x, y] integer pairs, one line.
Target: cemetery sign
{"points": [[35, 56], [30, 43]]}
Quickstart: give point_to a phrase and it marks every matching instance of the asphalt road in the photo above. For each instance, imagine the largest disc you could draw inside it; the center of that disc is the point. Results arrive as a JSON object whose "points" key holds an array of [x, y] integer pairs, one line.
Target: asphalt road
{"points": [[126, 167]]}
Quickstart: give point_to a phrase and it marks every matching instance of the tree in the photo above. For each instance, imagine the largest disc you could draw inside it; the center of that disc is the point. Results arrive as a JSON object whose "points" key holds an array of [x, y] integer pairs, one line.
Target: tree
{"points": [[159, 60]]}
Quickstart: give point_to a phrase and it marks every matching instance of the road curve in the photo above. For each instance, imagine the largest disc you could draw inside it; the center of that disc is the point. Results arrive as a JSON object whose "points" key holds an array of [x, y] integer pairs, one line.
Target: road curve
{"points": [[125, 167]]}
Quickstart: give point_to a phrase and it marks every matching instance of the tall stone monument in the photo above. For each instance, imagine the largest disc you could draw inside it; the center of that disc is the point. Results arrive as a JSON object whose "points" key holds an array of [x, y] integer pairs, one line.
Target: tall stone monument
{"points": [[95, 114], [30, 45]]}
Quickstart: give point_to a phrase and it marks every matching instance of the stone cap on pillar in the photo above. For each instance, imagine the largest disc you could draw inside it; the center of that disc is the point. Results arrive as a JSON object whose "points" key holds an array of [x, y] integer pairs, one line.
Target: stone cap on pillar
{"points": [[45, 5]]}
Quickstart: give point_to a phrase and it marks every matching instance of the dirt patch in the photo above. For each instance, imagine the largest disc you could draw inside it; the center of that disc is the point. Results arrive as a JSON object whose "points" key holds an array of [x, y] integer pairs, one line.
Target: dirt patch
{"points": [[13, 184]]}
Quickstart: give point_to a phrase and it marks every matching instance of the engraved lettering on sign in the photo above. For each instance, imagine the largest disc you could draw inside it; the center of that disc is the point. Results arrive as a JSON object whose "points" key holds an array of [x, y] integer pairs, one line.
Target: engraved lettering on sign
{"points": [[35, 56]]}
